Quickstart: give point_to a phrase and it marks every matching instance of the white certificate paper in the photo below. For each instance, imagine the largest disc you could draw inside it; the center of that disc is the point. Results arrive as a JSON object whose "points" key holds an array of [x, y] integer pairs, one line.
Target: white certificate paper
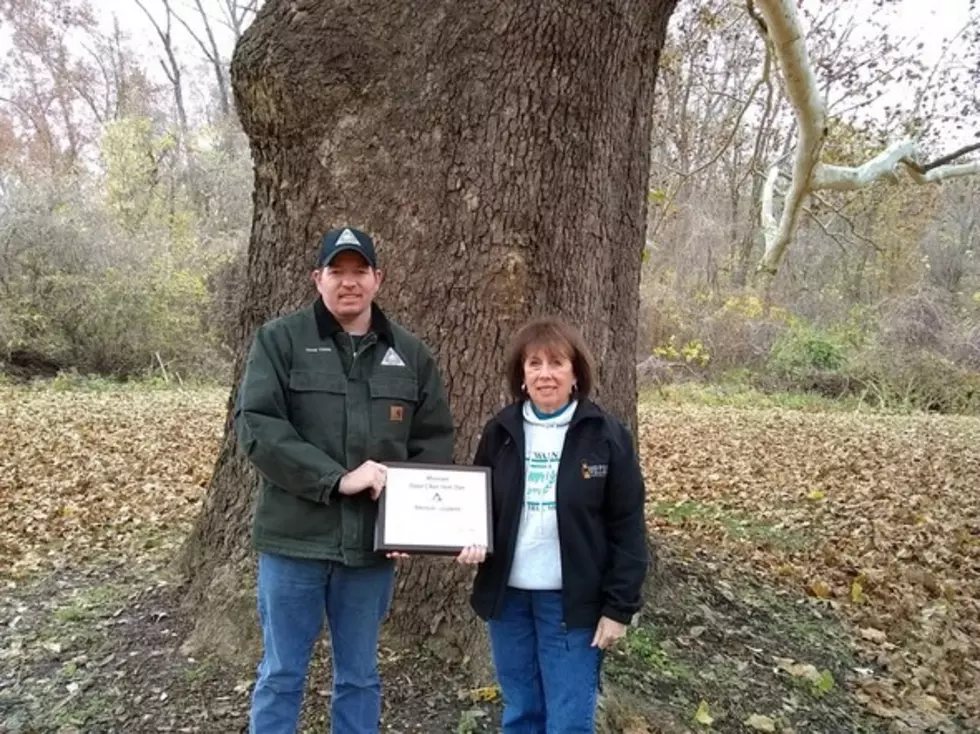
{"points": [[435, 509]]}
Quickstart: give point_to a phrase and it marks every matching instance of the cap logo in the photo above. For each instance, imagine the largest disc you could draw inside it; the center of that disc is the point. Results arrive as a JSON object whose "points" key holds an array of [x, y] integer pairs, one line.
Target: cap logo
{"points": [[348, 238]]}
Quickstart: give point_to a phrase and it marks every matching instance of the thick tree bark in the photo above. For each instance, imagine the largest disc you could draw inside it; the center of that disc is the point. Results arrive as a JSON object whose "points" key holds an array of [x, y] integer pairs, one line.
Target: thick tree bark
{"points": [[499, 152]]}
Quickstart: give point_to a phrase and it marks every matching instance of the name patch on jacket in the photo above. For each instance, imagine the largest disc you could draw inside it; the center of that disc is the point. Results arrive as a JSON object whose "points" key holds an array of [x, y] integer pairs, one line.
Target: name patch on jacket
{"points": [[594, 471]]}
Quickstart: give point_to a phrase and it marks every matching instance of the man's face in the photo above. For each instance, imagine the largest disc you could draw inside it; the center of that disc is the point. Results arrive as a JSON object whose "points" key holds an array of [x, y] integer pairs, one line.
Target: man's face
{"points": [[347, 285]]}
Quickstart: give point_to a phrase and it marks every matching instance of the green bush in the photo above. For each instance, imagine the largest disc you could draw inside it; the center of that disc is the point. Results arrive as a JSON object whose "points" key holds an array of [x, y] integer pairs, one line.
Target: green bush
{"points": [[802, 349], [118, 322]]}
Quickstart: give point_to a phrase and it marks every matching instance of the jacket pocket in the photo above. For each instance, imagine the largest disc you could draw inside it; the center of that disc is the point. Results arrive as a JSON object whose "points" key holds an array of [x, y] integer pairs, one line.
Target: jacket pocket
{"points": [[393, 402], [317, 407], [312, 381]]}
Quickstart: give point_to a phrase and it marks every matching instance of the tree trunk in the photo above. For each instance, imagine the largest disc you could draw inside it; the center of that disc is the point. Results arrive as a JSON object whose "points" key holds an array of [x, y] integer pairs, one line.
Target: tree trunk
{"points": [[498, 150]]}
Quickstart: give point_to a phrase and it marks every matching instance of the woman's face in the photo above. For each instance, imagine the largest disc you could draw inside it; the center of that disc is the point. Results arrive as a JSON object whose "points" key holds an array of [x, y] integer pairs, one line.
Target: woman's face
{"points": [[549, 378]]}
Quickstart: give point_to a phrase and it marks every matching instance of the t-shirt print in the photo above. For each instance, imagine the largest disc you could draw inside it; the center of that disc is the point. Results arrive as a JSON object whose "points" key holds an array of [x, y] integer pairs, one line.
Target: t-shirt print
{"points": [[541, 475]]}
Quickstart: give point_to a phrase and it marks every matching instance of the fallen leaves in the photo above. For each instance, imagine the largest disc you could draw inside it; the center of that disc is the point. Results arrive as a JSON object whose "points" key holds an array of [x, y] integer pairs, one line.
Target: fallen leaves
{"points": [[108, 474], [872, 635], [760, 723], [487, 694], [702, 715], [875, 516], [798, 670], [820, 589], [821, 681]]}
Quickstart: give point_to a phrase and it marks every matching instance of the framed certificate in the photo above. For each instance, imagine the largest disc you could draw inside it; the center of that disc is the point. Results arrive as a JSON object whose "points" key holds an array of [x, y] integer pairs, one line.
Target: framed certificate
{"points": [[434, 509]]}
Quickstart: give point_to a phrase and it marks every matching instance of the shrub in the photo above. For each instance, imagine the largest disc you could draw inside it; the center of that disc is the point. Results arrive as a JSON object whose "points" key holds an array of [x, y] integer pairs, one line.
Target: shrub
{"points": [[922, 320], [917, 380], [802, 349], [115, 321]]}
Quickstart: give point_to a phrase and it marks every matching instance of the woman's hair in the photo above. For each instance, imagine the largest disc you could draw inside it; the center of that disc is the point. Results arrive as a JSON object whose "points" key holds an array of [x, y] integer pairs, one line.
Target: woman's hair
{"points": [[555, 337]]}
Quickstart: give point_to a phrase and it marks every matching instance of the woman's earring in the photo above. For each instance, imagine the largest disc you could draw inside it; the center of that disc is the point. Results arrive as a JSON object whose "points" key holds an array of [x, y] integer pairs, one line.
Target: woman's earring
{"points": [[524, 388]]}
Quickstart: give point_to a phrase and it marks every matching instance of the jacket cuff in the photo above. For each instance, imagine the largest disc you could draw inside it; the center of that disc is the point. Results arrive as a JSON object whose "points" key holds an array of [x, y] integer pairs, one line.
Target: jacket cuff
{"points": [[329, 486], [617, 615]]}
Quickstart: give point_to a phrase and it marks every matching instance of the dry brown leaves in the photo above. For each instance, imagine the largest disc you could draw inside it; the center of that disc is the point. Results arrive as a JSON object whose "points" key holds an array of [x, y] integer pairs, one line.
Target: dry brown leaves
{"points": [[878, 516], [107, 474]]}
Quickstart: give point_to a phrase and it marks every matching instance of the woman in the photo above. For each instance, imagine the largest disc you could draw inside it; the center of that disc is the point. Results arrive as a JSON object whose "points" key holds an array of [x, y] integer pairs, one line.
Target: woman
{"points": [[570, 550]]}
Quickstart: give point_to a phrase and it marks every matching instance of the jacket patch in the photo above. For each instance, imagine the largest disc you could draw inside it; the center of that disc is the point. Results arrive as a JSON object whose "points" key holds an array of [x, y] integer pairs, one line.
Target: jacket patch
{"points": [[594, 471], [397, 414], [391, 359]]}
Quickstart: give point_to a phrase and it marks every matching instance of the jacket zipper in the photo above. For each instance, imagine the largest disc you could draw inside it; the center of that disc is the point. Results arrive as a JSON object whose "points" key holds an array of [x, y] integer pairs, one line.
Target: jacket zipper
{"points": [[354, 353], [512, 538], [558, 506]]}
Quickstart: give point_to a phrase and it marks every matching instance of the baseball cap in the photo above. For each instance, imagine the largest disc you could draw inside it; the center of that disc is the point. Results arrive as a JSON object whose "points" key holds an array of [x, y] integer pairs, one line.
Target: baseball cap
{"points": [[346, 238]]}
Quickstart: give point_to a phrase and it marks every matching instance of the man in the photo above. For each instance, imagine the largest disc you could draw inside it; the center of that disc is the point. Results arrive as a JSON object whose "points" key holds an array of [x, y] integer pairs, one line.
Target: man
{"points": [[329, 394]]}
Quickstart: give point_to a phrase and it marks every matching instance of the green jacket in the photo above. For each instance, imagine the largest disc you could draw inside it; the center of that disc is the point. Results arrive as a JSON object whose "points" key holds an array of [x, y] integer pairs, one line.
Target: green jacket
{"points": [[310, 409]]}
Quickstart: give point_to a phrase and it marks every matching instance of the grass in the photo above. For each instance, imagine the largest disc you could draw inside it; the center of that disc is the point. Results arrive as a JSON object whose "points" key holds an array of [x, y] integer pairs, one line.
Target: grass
{"points": [[86, 605], [72, 613], [645, 646], [199, 672], [737, 525], [88, 711], [739, 395]]}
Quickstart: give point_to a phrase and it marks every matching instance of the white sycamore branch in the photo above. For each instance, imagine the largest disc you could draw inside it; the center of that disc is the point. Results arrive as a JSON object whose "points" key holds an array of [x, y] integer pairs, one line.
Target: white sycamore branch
{"points": [[780, 22]]}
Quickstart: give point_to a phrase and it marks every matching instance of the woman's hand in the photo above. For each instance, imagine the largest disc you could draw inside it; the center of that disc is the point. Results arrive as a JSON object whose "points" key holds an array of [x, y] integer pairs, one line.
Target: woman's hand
{"points": [[472, 555], [607, 632]]}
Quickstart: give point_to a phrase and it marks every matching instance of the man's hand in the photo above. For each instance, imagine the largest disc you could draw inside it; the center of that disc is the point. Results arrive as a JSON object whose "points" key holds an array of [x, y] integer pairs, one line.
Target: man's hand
{"points": [[369, 475], [607, 632], [472, 555]]}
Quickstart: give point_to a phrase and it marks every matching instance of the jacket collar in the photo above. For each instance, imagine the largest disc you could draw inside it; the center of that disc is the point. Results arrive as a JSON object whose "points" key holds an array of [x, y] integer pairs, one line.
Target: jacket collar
{"points": [[327, 325], [512, 417]]}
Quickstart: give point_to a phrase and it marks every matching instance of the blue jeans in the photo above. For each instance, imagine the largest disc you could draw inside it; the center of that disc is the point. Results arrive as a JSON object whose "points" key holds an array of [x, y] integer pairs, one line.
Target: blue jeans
{"points": [[548, 675], [294, 594]]}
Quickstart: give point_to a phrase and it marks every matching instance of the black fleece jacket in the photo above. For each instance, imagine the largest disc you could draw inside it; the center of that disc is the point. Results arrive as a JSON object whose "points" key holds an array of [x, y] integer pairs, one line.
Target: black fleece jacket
{"points": [[600, 506]]}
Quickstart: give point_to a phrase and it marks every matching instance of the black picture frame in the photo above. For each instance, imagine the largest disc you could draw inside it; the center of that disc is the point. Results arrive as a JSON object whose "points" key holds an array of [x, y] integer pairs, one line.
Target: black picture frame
{"points": [[432, 548]]}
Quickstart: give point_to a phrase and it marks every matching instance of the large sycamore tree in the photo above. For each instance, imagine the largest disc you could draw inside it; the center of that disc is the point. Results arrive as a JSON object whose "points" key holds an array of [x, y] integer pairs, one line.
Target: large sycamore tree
{"points": [[499, 152]]}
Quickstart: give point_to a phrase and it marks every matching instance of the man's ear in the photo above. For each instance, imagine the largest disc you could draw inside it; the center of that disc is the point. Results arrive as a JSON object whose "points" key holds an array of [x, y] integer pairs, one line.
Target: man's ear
{"points": [[380, 275]]}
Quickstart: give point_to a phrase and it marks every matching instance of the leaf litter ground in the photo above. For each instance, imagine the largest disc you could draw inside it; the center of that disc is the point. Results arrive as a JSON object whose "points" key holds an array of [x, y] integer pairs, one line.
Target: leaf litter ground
{"points": [[817, 572], [875, 518]]}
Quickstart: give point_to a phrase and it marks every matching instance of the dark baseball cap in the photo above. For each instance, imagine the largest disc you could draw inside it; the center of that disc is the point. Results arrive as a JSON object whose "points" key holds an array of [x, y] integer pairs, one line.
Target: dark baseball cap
{"points": [[346, 238]]}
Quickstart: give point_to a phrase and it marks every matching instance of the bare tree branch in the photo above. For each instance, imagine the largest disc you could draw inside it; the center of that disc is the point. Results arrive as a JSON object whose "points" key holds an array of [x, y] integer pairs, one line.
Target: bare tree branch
{"points": [[212, 53], [811, 115], [236, 14], [848, 221], [810, 174], [826, 229], [949, 158], [170, 65]]}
